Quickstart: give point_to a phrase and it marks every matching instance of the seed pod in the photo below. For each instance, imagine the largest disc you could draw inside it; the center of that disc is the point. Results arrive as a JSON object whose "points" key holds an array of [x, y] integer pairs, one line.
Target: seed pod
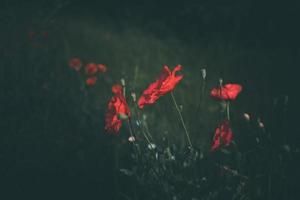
{"points": [[203, 73]]}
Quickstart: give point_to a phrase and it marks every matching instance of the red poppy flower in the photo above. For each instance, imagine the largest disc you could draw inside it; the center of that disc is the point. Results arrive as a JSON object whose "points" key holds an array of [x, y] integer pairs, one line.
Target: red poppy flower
{"points": [[164, 84], [102, 68], [223, 135], [226, 92], [116, 106], [91, 69], [91, 81], [75, 63]]}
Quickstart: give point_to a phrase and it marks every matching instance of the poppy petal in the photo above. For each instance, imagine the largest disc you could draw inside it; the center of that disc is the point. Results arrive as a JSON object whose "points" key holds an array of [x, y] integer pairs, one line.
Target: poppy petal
{"points": [[166, 82]]}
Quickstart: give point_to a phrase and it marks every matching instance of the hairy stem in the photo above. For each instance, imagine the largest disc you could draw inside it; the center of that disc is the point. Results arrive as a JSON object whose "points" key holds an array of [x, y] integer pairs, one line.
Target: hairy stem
{"points": [[181, 119]]}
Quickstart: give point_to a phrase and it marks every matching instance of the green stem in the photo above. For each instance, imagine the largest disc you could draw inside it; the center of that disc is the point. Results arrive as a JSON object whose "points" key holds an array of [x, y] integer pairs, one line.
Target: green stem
{"points": [[202, 93], [181, 119], [130, 127], [146, 138], [130, 130], [227, 110], [144, 129]]}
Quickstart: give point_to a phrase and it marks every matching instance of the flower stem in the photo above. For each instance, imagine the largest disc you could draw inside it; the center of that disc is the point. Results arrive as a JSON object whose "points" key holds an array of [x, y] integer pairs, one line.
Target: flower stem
{"points": [[228, 110], [140, 121], [202, 93], [181, 119], [146, 137], [130, 127], [144, 128]]}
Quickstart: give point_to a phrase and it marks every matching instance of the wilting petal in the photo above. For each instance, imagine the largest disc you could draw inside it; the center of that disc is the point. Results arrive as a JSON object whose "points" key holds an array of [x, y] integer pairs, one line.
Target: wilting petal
{"points": [[227, 92], [117, 106], [223, 135], [166, 82]]}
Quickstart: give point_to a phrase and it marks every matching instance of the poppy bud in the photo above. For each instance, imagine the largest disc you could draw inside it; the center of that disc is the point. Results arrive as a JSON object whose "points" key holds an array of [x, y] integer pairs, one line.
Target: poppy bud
{"points": [[246, 117], [131, 139], [181, 107], [203, 72], [260, 124], [133, 95], [220, 82], [151, 146], [123, 82]]}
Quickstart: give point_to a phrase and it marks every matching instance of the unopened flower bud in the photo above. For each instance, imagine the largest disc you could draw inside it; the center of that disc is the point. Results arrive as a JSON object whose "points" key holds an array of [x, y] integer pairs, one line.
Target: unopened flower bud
{"points": [[133, 95], [246, 117], [151, 146], [131, 139], [260, 124], [181, 107], [220, 81], [203, 72], [123, 82]]}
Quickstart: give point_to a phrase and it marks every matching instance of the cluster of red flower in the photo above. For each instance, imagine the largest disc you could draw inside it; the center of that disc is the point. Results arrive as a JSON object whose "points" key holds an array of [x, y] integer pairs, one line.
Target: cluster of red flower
{"points": [[90, 69], [223, 133], [118, 108], [117, 105]]}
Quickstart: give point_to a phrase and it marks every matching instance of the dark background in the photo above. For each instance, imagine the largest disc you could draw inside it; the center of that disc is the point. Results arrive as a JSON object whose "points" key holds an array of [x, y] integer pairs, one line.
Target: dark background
{"points": [[52, 138]]}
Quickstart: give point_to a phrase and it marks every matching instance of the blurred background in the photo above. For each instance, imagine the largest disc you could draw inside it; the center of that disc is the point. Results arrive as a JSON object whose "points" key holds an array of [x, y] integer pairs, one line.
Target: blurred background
{"points": [[52, 137]]}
